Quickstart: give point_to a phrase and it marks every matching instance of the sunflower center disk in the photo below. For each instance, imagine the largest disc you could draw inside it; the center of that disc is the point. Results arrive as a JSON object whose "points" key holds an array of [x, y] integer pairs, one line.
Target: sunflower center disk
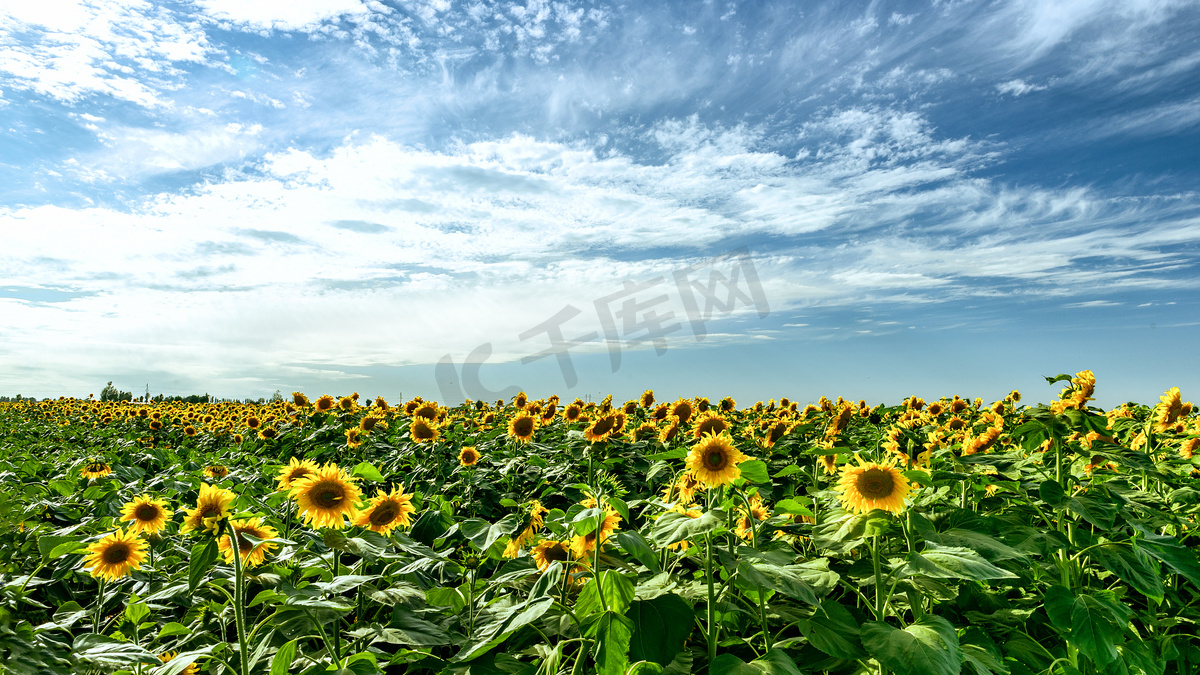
{"points": [[146, 513], [328, 498], [875, 484], [116, 554], [383, 514], [716, 459]]}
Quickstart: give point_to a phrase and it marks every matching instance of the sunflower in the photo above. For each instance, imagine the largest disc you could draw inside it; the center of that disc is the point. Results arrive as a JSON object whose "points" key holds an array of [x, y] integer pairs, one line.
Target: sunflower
{"points": [[116, 555], [727, 404], [520, 401], [387, 511], [353, 437], [645, 432], [155, 425], [468, 456], [299, 399], [189, 430], [572, 412], [830, 463], [212, 505], [252, 554], [192, 668], [683, 410], [713, 460], [647, 398], [368, 422], [868, 486], [534, 514], [521, 427], [692, 511], [551, 551], [146, 514], [760, 513], [347, 403], [1167, 412], [253, 422], [684, 489], [427, 411], [326, 496], [710, 423], [216, 471], [295, 470], [423, 430], [96, 470], [669, 433], [602, 429], [584, 544], [325, 403]]}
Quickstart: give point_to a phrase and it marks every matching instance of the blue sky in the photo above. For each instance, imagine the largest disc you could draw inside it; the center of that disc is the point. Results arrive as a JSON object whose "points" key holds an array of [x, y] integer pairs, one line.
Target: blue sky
{"points": [[332, 196]]}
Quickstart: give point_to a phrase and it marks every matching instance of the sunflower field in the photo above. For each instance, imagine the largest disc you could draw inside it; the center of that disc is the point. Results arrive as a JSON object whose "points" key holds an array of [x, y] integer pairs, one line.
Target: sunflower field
{"points": [[341, 535]]}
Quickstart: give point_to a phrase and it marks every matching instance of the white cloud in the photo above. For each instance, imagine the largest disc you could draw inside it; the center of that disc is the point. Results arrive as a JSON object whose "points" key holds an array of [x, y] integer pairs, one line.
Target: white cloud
{"points": [[1019, 87], [282, 15]]}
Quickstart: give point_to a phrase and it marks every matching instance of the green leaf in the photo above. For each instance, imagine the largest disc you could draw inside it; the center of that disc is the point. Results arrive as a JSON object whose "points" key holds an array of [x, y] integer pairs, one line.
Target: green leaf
{"points": [[1059, 601], [182, 661], [783, 578], [788, 470], [1096, 512], [660, 627], [755, 471], [927, 647], [612, 633], [52, 547], [919, 477], [503, 624], [202, 558], [728, 664], [483, 534], [833, 630], [281, 663], [1096, 624], [368, 471], [1133, 566], [637, 546], [1171, 553], [792, 506], [953, 562], [1051, 492], [644, 668], [344, 583], [137, 611], [673, 527], [106, 651], [618, 594], [982, 653], [171, 629], [777, 662]]}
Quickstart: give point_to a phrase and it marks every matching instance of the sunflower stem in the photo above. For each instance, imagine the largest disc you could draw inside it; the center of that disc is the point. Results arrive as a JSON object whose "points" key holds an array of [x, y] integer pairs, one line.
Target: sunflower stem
{"points": [[337, 622], [712, 601], [762, 601], [99, 608], [879, 600], [239, 594]]}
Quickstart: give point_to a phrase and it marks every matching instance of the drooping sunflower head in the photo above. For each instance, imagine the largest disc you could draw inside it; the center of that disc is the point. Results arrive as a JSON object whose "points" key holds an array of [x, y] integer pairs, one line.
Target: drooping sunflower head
{"points": [[583, 544], [116, 555], [468, 456], [645, 432], [96, 469], [252, 554], [647, 398], [867, 486], [551, 551], [602, 429], [327, 496], [212, 506], [423, 431], [714, 460], [293, 471], [669, 433], [426, 410], [386, 511], [299, 399], [216, 471], [521, 427], [146, 514], [829, 462]]}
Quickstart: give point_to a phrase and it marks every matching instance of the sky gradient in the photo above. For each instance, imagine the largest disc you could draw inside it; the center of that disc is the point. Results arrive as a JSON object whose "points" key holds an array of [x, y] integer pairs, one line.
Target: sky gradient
{"points": [[330, 196]]}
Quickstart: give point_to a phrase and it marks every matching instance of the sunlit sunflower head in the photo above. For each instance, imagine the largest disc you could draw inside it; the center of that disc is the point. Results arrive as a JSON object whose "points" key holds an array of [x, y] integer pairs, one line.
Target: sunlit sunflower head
{"points": [[423, 431], [709, 423], [192, 668], [146, 514], [252, 554], [212, 506], [293, 471], [253, 422], [267, 433], [669, 433], [603, 428], [468, 456], [1168, 410], [116, 555], [426, 410], [96, 469], [682, 490], [216, 471], [572, 412], [682, 410], [521, 427], [155, 425], [867, 486], [551, 551], [386, 511], [347, 403], [189, 430], [714, 460], [326, 497], [325, 403], [647, 398], [727, 404], [582, 545], [353, 437], [299, 399]]}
